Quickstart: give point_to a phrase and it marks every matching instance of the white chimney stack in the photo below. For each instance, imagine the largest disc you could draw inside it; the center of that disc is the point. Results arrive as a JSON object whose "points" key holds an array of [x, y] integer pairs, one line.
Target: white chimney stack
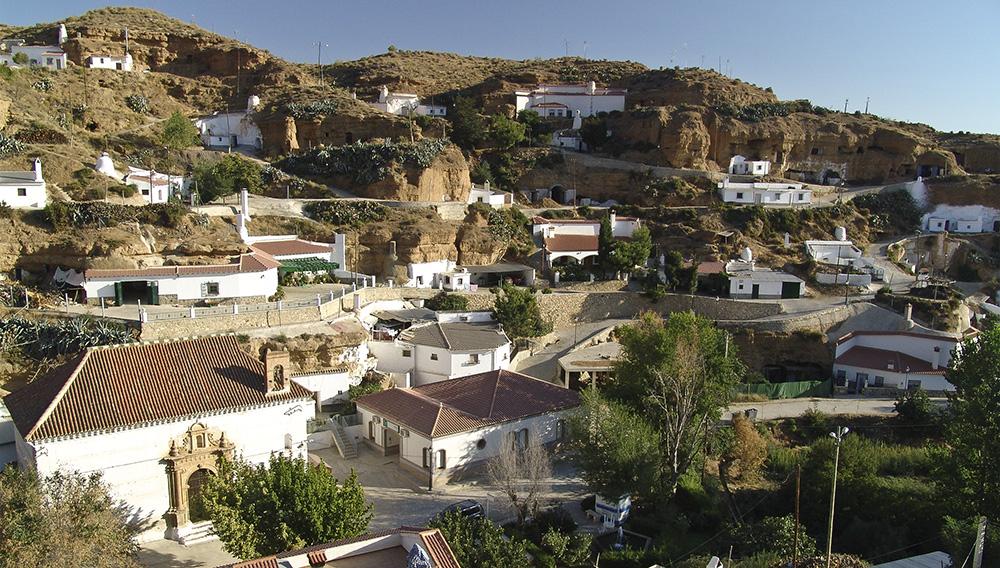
{"points": [[909, 315], [936, 358], [613, 218], [38, 169], [63, 36]]}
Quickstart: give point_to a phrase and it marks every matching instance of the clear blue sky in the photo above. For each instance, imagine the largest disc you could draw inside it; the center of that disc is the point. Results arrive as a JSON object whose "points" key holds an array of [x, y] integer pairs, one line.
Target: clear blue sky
{"points": [[931, 61]]}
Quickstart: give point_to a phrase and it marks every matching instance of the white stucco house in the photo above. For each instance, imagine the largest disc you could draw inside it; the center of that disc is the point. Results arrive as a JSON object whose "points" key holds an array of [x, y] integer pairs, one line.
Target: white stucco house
{"points": [[154, 418], [901, 360], [156, 187], [24, 190], [441, 430], [441, 274], [48, 56], [404, 104], [842, 254], [227, 129], [576, 240], [749, 281], [565, 101], [248, 276], [119, 63], [766, 194], [439, 351], [492, 197], [740, 166], [962, 219]]}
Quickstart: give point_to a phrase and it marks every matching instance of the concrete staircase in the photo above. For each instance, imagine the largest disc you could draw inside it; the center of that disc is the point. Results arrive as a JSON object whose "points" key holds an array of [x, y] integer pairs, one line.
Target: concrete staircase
{"points": [[348, 450], [198, 533]]}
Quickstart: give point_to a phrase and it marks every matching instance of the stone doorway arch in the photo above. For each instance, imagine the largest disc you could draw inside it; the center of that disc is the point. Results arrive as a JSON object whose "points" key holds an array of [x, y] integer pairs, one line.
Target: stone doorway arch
{"points": [[195, 482], [190, 461]]}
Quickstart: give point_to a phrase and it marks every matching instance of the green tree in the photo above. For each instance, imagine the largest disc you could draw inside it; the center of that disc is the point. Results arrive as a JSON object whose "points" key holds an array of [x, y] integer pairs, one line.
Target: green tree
{"points": [[569, 550], [774, 534], [615, 447], [914, 407], [537, 133], [505, 133], [179, 132], [973, 429], [445, 302], [66, 519], [226, 177], [479, 543], [633, 252], [606, 245], [21, 58], [287, 503], [679, 373], [517, 309], [594, 132], [467, 125]]}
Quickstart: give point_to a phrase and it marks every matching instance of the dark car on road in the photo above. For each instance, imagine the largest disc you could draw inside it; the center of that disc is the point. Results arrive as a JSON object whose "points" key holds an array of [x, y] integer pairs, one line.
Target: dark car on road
{"points": [[467, 508]]}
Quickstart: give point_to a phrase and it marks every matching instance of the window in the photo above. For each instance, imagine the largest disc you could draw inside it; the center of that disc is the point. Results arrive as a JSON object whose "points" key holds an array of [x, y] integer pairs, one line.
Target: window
{"points": [[802, 197], [473, 359], [434, 356], [210, 289], [739, 195], [48, 61], [519, 439], [879, 381], [815, 152], [841, 377], [200, 441], [407, 353], [741, 286], [442, 459], [22, 192]]}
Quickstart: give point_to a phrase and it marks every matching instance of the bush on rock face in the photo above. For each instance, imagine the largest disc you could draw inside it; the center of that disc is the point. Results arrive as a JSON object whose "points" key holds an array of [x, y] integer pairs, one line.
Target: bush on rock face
{"points": [[365, 162]]}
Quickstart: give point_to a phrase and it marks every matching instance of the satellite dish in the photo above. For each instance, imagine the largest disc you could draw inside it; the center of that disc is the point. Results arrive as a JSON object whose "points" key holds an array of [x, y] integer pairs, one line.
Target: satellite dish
{"points": [[714, 563]]}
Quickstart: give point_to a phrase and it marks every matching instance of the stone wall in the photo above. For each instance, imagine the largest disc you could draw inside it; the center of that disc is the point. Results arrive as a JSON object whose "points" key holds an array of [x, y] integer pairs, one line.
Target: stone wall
{"points": [[235, 323]]}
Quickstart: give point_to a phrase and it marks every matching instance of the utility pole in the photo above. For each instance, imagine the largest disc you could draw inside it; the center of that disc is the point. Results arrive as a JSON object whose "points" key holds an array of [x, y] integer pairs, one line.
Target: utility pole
{"points": [[867, 100], [845, 105], [798, 486], [838, 437], [319, 59], [566, 46]]}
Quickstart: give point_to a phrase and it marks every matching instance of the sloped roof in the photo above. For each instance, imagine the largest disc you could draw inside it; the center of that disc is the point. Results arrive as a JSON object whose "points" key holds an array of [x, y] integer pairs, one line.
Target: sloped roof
{"points": [[469, 403], [18, 177], [119, 386], [879, 359], [571, 243], [252, 262], [291, 246], [458, 336]]}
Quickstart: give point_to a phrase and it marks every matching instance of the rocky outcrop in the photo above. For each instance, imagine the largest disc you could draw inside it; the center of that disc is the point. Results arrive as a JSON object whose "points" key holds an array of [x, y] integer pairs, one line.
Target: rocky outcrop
{"points": [[446, 179], [283, 134]]}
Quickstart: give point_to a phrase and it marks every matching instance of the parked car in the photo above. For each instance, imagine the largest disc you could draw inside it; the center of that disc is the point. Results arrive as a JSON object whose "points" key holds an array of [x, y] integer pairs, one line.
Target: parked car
{"points": [[468, 508]]}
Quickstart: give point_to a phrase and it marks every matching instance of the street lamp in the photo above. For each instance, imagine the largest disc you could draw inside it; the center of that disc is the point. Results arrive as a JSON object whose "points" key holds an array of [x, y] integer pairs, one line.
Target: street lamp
{"points": [[838, 436]]}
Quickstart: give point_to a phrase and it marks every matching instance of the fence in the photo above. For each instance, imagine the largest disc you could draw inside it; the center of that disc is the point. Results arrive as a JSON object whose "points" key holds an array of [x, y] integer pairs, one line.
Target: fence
{"points": [[793, 389]]}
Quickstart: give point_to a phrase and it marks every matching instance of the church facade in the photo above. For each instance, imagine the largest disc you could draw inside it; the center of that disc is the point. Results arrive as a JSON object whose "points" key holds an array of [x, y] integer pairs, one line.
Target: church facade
{"points": [[155, 418]]}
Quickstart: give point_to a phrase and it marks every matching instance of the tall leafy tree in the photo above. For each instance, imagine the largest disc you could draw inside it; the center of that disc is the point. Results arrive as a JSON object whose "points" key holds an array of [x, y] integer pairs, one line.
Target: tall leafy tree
{"points": [[226, 177], [178, 132], [505, 133], [517, 309], [467, 125], [479, 543], [262, 509], [679, 373], [66, 519], [973, 429], [606, 244], [633, 252]]}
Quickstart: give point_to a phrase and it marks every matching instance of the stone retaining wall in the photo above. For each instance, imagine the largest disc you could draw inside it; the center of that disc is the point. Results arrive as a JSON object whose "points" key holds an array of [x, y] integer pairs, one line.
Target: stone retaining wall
{"points": [[234, 323]]}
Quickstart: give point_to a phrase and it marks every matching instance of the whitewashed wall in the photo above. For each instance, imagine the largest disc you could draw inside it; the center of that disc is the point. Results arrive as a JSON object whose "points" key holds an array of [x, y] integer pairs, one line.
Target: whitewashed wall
{"points": [[238, 285], [35, 195]]}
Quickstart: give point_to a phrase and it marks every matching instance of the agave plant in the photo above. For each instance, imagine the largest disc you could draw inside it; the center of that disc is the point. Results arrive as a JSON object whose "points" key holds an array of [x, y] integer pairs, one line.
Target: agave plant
{"points": [[44, 339]]}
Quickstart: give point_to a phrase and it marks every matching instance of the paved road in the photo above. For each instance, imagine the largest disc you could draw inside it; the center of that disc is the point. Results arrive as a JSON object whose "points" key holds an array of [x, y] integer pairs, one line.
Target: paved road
{"points": [[793, 407], [172, 554]]}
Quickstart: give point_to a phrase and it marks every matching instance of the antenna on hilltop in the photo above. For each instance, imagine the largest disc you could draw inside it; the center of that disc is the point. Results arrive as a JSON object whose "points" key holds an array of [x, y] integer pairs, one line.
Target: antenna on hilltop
{"points": [[845, 105], [566, 46], [584, 49]]}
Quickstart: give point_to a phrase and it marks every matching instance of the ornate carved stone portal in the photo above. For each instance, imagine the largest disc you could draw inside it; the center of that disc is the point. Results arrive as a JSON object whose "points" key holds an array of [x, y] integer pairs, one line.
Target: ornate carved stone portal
{"points": [[191, 459]]}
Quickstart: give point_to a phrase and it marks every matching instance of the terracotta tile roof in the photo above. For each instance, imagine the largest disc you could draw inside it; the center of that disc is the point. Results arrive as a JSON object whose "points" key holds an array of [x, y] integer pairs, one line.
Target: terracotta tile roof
{"points": [[128, 385], [291, 246], [711, 267], [469, 403], [936, 335], [570, 243], [434, 543], [252, 262], [543, 221], [879, 359], [458, 336]]}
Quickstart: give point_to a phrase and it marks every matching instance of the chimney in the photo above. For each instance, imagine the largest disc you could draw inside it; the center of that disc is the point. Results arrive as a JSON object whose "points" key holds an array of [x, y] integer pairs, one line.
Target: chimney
{"points": [[936, 358], [277, 369], [591, 87], [38, 169], [613, 218], [486, 184], [909, 315]]}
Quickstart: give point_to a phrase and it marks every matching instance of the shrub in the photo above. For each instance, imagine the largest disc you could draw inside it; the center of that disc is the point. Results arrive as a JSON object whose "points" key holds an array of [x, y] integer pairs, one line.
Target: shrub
{"points": [[227, 176], [444, 302], [137, 103], [914, 407], [352, 213], [6, 211], [44, 339], [568, 549], [311, 109], [10, 146], [44, 85], [63, 214], [774, 534], [20, 58], [6, 72], [179, 132], [364, 162]]}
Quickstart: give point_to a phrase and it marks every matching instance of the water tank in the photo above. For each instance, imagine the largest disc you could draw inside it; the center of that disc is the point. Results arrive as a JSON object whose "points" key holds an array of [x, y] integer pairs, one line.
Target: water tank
{"points": [[253, 102], [746, 255], [105, 165], [840, 234]]}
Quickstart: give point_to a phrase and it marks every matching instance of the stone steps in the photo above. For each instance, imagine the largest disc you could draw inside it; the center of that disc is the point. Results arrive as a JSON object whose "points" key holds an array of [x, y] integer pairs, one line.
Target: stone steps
{"points": [[346, 447], [198, 533]]}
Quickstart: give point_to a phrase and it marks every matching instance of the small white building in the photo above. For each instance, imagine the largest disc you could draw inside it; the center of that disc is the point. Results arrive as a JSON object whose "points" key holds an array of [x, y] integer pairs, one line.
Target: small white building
{"points": [[154, 186], [962, 219], [749, 281], [740, 166], [405, 104], [577, 239], [442, 430], [766, 194], [119, 63], [230, 129], [154, 418], [902, 360], [48, 56], [492, 197], [564, 101], [439, 351], [249, 276], [24, 190], [842, 253], [404, 547]]}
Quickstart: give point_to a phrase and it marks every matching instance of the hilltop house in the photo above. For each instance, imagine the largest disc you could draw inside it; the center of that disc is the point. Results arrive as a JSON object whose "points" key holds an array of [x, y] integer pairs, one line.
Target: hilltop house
{"points": [[766, 194], [576, 240], [24, 190], [740, 166], [895, 360], [405, 547], [441, 274], [122, 63], [442, 430], [565, 101], [154, 418], [230, 129], [404, 104], [252, 276], [462, 344], [48, 56]]}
